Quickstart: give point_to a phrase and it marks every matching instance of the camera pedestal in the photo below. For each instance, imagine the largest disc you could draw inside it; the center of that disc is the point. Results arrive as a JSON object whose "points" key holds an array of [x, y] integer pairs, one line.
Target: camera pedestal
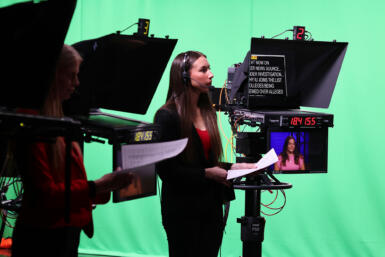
{"points": [[252, 224]]}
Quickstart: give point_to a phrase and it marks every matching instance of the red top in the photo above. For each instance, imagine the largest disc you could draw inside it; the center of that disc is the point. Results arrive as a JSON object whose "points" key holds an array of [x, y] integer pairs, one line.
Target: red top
{"points": [[205, 139], [44, 193], [44, 199]]}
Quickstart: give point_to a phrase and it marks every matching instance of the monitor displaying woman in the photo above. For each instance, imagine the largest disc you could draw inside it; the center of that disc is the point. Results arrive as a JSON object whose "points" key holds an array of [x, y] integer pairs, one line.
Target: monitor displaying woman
{"points": [[290, 158]]}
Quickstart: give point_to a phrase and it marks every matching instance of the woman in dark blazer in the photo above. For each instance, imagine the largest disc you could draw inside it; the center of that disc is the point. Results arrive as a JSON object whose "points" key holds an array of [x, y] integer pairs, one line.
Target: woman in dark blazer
{"points": [[194, 183]]}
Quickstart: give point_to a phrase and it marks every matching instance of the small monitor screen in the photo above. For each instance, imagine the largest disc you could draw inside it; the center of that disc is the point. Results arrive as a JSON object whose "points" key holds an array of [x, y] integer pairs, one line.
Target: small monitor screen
{"points": [[299, 151], [143, 184]]}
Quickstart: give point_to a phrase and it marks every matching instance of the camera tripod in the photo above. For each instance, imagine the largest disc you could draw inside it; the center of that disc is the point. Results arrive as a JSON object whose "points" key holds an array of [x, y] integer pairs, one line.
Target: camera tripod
{"points": [[252, 224]]}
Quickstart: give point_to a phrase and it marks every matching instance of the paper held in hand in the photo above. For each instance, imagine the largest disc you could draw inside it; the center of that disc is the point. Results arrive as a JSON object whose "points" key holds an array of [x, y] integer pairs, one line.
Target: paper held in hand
{"points": [[268, 159], [137, 155]]}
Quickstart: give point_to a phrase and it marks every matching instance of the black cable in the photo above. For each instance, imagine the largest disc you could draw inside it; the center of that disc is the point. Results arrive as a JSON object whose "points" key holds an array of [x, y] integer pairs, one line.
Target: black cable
{"points": [[282, 33], [306, 35], [5, 162], [121, 31]]}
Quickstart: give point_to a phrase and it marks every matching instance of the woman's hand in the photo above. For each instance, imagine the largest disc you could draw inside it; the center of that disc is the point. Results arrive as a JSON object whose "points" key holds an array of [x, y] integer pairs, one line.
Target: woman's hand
{"points": [[113, 181], [243, 165], [218, 174]]}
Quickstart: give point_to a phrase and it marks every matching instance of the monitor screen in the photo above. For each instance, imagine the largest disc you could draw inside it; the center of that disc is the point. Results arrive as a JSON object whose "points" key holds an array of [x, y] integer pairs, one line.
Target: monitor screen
{"points": [[119, 72], [143, 184], [287, 74], [299, 151]]}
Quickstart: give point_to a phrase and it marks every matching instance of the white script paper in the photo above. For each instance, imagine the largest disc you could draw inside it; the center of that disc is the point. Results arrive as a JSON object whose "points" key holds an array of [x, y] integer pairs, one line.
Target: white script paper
{"points": [[137, 155], [268, 159]]}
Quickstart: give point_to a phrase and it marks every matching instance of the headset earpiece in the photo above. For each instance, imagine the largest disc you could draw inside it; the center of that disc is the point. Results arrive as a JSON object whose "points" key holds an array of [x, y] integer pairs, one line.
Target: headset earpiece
{"points": [[185, 77], [185, 67]]}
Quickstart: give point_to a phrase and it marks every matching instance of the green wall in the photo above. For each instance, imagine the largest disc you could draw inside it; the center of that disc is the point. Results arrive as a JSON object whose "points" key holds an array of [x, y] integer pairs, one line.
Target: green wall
{"points": [[336, 214]]}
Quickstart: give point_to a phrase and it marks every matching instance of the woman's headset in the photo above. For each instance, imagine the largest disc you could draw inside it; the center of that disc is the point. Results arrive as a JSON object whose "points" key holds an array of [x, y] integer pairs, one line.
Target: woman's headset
{"points": [[185, 67]]}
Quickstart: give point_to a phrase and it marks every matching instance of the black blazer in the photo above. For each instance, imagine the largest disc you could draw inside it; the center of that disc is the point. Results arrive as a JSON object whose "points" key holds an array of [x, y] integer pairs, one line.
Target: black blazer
{"points": [[185, 190]]}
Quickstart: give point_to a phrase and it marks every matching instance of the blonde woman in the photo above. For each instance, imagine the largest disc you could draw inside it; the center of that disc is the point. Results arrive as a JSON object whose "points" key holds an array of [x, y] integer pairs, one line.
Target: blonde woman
{"points": [[41, 227]]}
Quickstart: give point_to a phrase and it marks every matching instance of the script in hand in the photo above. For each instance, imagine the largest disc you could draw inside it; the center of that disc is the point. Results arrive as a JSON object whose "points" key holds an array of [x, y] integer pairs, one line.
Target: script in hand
{"points": [[268, 159]]}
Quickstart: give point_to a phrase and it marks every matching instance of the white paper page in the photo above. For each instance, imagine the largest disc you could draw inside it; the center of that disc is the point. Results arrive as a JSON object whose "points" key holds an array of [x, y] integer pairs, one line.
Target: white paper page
{"points": [[268, 159], [137, 155]]}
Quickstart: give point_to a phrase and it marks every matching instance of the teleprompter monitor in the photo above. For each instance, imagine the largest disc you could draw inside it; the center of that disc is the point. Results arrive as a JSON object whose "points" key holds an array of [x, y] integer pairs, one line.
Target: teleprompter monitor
{"points": [[288, 74], [120, 132], [29, 49], [119, 72]]}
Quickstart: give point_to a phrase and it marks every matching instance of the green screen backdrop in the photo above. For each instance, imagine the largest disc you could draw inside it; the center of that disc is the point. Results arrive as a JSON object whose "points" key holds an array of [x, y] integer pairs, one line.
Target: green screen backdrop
{"points": [[341, 213]]}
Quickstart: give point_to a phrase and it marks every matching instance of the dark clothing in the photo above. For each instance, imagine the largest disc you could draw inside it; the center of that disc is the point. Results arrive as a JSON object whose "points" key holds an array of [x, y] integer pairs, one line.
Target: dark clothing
{"points": [[189, 237], [41, 224], [191, 204], [47, 242]]}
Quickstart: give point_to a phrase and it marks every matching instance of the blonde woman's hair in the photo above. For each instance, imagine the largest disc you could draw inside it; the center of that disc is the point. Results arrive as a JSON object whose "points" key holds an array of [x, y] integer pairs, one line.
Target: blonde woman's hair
{"points": [[53, 105]]}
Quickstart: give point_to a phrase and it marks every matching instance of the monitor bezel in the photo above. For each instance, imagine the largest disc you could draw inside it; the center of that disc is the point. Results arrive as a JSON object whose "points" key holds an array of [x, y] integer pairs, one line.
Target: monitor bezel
{"points": [[324, 141]]}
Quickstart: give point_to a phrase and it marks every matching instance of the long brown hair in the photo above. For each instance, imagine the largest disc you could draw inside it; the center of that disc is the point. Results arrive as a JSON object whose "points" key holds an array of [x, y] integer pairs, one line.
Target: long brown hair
{"points": [[180, 98], [284, 154]]}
